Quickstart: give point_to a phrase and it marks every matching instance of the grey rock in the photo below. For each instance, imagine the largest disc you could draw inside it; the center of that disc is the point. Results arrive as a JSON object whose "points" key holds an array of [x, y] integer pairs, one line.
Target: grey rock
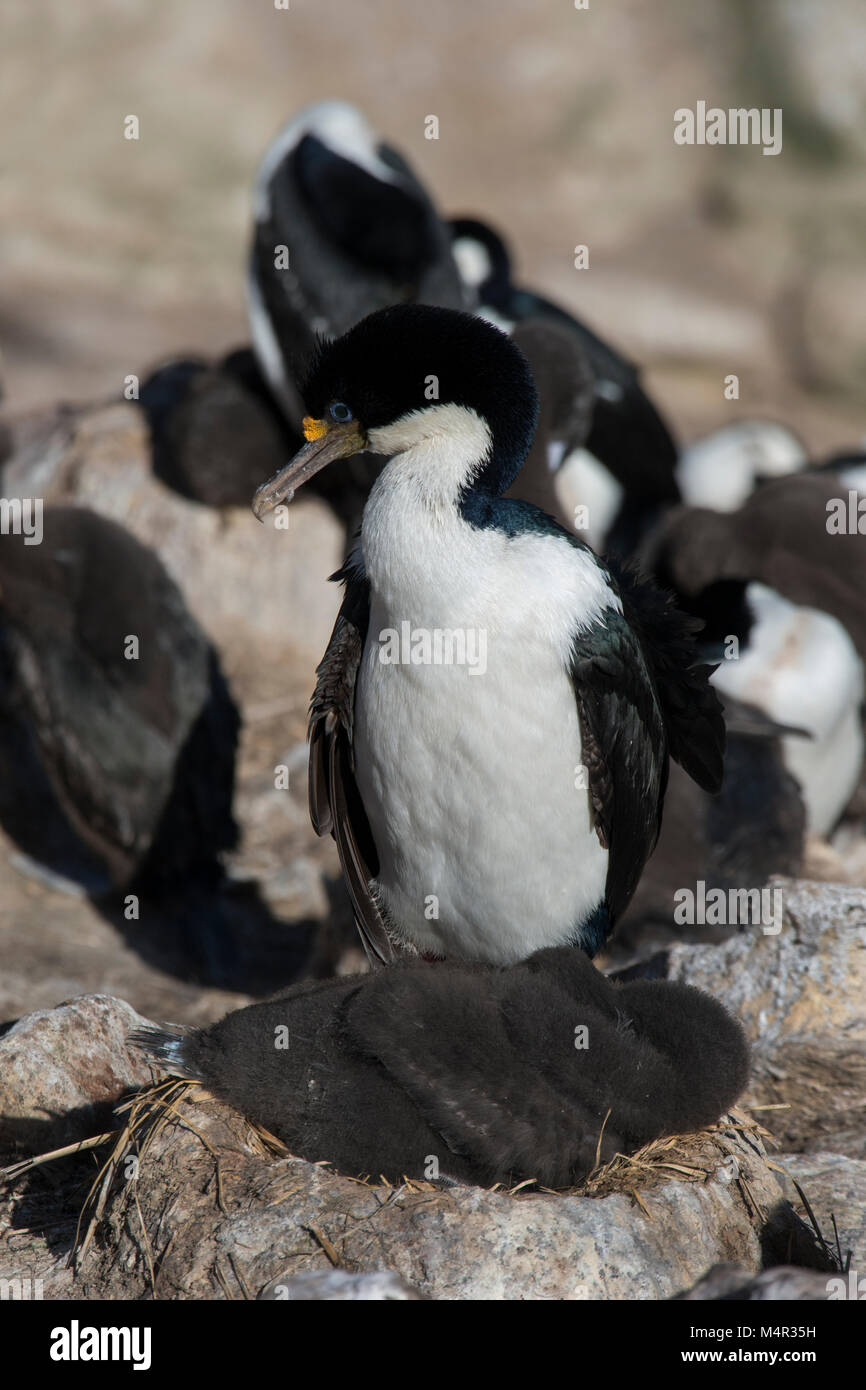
{"points": [[280, 1217], [850, 1142], [62, 1069], [799, 994], [835, 1187], [784, 1283]]}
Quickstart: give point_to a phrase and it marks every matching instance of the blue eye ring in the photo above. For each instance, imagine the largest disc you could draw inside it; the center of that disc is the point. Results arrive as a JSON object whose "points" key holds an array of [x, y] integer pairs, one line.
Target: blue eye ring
{"points": [[340, 412]]}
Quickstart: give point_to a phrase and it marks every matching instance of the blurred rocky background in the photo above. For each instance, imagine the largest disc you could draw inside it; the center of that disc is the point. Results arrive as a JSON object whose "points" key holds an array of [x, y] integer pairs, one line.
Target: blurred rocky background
{"points": [[555, 124]]}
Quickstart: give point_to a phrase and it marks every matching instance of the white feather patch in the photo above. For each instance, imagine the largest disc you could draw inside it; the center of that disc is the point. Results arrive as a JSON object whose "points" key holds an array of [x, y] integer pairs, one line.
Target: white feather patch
{"points": [[801, 667]]}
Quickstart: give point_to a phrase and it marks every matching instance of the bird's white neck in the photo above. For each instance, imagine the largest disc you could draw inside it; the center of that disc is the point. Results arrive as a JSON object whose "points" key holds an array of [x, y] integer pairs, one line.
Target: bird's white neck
{"points": [[434, 452], [413, 537]]}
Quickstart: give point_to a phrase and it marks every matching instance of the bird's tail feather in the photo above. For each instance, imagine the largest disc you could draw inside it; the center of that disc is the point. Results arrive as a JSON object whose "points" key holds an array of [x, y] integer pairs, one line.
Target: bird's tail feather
{"points": [[168, 1047]]}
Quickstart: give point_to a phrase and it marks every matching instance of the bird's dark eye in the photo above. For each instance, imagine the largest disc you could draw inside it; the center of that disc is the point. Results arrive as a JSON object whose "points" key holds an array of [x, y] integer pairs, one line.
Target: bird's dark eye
{"points": [[340, 412]]}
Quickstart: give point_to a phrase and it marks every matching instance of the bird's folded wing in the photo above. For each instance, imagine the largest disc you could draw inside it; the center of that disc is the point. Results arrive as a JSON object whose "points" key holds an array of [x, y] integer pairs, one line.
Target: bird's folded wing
{"points": [[690, 707], [335, 802], [624, 749]]}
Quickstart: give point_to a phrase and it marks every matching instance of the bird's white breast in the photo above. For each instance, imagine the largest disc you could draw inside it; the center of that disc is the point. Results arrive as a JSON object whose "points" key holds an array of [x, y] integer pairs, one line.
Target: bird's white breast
{"points": [[721, 470], [470, 777], [802, 669], [584, 482]]}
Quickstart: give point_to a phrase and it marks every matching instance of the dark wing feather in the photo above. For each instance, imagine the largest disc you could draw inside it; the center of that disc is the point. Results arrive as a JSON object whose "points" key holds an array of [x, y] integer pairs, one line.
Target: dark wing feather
{"points": [[641, 696], [624, 749], [690, 707], [319, 779], [335, 802]]}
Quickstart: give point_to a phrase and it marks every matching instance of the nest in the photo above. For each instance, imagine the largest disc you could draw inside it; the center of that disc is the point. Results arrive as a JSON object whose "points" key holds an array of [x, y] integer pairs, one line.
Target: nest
{"points": [[695, 1157]]}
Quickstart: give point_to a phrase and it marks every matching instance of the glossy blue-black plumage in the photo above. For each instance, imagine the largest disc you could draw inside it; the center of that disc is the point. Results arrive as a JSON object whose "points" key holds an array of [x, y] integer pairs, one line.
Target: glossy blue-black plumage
{"points": [[413, 357]]}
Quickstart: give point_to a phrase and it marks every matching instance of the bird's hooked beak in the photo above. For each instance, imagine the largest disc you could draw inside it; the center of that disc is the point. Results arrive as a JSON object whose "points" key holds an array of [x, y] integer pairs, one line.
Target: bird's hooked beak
{"points": [[325, 443]]}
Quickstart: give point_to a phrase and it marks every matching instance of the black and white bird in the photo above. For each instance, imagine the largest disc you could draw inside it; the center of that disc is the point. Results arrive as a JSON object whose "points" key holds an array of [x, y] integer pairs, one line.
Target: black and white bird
{"points": [[493, 718], [776, 576], [784, 536], [476, 1066], [801, 669], [624, 473], [342, 227]]}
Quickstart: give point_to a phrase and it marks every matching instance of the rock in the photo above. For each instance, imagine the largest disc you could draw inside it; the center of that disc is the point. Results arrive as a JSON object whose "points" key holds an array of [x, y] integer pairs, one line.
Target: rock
{"points": [[271, 1216], [38, 1216], [61, 1071], [378, 1286], [55, 946], [784, 1282], [835, 1187], [850, 1142], [799, 994]]}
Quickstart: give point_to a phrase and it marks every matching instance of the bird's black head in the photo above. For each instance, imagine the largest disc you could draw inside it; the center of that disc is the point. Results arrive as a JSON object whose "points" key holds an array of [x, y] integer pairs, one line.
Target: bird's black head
{"points": [[411, 374]]}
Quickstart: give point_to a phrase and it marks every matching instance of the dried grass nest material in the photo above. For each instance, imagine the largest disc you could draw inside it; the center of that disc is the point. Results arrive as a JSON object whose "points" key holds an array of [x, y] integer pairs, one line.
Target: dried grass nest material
{"points": [[694, 1157]]}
